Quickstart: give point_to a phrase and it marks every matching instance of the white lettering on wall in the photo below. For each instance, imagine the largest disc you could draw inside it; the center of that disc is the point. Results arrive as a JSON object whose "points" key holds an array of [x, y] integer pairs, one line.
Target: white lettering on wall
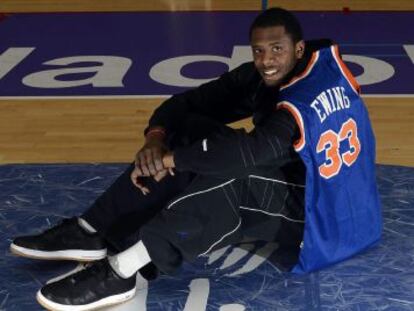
{"points": [[375, 70], [169, 71], [109, 73], [11, 58], [409, 48]]}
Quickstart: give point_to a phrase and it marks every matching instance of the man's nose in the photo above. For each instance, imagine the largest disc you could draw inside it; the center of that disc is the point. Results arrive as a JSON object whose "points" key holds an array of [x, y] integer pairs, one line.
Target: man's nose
{"points": [[268, 59]]}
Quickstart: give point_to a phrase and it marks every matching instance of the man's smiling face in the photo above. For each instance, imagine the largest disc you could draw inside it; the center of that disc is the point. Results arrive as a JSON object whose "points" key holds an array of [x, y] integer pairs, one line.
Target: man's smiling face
{"points": [[274, 53]]}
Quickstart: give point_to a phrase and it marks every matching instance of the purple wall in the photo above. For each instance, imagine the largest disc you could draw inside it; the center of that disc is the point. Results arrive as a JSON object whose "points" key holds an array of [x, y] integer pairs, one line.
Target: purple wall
{"points": [[143, 40]]}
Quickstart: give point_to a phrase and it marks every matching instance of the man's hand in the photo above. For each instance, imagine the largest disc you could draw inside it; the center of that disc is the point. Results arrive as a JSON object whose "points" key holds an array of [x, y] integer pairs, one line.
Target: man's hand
{"points": [[160, 175], [135, 178], [168, 163], [168, 160], [148, 160]]}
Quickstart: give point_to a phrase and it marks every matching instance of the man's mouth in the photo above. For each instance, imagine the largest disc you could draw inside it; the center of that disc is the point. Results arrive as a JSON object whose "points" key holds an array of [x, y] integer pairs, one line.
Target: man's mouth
{"points": [[270, 73]]}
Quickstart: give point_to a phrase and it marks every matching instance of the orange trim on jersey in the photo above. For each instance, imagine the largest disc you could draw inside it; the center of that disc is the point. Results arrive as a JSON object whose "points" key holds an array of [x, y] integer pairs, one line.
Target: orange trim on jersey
{"points": [[303, 74], [300, 143], [344, 69]]}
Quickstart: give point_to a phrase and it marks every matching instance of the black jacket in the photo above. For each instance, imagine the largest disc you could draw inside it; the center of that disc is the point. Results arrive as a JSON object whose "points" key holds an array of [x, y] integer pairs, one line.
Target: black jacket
{"points": [[237, 94]]}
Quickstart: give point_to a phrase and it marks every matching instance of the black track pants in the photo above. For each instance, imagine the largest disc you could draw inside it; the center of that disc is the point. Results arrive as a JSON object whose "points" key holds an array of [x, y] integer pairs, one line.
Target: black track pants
{"points": [[188, 215]]}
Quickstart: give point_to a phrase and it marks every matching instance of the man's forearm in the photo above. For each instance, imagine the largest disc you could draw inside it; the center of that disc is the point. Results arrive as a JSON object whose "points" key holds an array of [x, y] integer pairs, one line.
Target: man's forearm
{"points": [[237, 152]]}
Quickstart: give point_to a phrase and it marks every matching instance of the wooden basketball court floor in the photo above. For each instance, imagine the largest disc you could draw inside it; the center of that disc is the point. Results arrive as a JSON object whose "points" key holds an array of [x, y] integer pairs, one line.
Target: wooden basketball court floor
{"points": [[110, 130], [82, 131]]}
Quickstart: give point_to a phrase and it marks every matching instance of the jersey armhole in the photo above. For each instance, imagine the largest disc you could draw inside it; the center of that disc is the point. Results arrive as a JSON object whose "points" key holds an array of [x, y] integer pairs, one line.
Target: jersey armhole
{"points": [[344, 69], [300, 143], [313, 60]]}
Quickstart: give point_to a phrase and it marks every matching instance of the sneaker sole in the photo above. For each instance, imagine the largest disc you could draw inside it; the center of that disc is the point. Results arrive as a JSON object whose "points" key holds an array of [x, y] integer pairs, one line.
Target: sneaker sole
{"points": [[105, 302], [79, 255]]}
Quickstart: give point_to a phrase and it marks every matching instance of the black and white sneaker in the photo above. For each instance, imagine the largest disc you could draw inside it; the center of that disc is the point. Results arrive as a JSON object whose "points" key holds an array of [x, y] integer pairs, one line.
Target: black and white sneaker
{"points": [[94, 286], [66, 241]]}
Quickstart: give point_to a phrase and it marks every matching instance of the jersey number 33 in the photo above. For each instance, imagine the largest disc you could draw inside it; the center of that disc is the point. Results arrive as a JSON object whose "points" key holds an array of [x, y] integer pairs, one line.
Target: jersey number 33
{"points": [[330, 142]]}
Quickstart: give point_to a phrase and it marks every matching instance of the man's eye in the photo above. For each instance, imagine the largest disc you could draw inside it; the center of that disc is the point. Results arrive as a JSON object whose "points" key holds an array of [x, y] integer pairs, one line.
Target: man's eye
{"points": [[277, 49], [256, 51]]}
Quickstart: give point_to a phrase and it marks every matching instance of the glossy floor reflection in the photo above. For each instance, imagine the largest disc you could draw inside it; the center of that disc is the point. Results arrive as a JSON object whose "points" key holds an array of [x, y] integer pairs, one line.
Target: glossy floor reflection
{"points": [[32, 197]]}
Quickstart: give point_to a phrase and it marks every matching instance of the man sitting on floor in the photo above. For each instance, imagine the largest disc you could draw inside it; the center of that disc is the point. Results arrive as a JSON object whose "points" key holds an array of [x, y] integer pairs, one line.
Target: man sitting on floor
{"points": [[304, 176]]}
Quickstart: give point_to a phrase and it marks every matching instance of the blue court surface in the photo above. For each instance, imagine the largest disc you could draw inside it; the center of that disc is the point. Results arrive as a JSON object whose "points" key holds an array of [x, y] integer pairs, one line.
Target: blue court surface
{"points": [[32, 197]]}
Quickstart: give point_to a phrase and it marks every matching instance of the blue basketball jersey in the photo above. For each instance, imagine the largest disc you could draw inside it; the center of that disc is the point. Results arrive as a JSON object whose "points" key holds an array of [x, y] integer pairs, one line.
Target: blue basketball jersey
{"points": [[337, 146]]}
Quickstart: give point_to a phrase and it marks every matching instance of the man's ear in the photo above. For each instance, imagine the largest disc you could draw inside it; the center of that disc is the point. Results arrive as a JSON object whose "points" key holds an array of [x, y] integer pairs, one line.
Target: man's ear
{"points": [[300, 49]]}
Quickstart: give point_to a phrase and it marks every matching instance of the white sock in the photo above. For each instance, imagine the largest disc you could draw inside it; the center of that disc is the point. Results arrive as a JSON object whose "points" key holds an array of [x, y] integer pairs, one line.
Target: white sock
{"points": [[127, 263], [85, 225]]}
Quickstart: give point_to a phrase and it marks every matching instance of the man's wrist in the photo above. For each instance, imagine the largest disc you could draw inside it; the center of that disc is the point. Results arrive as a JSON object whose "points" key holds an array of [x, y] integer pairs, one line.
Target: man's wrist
{"points": [[156, 132]]}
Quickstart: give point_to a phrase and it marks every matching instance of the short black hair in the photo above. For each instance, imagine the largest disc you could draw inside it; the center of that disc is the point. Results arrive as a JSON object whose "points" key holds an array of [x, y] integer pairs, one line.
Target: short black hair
{"points": [[278, 17]]}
